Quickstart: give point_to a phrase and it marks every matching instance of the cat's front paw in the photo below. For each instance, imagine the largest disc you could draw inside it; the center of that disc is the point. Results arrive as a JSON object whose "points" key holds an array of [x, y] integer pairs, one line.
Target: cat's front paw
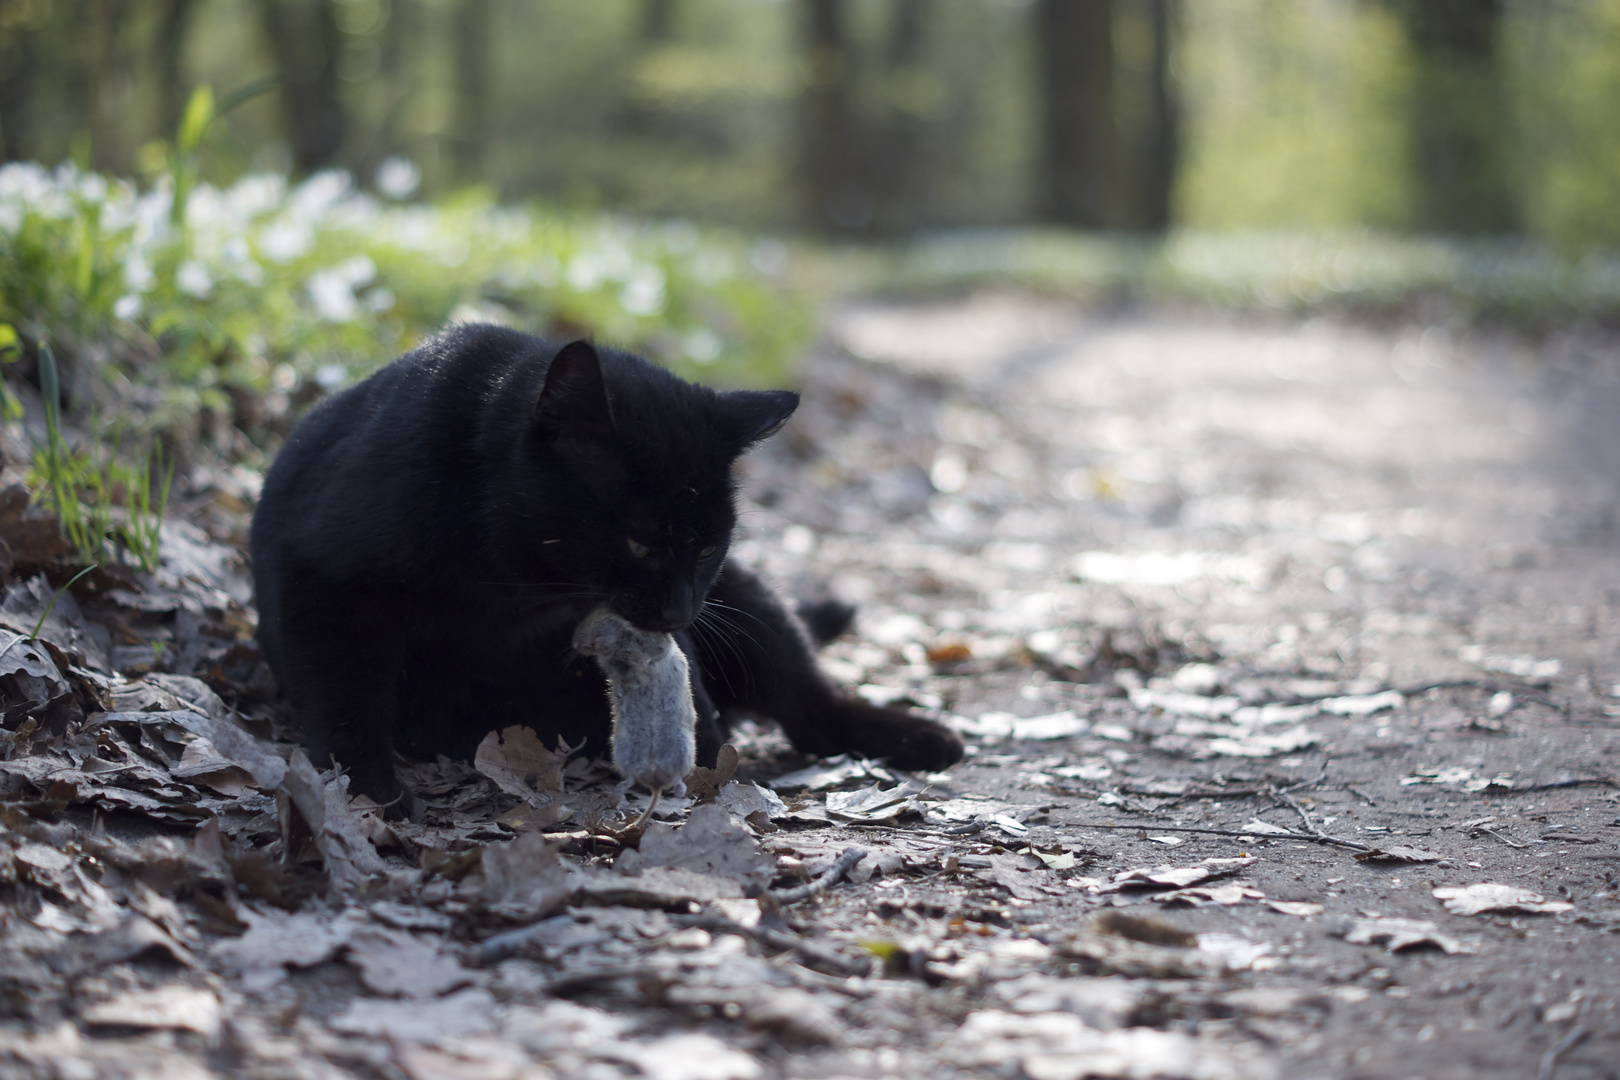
{"points": [[909, 742]]}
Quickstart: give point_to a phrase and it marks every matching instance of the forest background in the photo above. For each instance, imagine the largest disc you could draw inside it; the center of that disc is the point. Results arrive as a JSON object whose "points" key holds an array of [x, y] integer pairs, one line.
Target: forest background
{"points": [[217, 210], [871, 118]]}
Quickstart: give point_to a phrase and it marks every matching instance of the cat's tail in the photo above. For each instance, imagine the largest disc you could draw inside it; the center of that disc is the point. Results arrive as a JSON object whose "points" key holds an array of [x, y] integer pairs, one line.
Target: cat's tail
{"points": [[825, 619]]}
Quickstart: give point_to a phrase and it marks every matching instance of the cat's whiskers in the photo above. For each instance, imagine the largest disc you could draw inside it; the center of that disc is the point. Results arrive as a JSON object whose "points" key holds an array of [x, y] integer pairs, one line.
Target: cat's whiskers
{"points": [[715, 635]]}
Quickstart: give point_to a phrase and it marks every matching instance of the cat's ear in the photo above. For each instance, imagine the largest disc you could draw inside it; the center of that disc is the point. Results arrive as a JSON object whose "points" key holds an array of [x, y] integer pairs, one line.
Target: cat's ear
{"points": [[755, 415], [574, 400]]}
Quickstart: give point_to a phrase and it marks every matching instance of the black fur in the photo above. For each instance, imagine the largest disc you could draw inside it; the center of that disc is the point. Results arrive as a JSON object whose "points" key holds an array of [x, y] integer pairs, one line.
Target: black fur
{"points": [[427, 541]]}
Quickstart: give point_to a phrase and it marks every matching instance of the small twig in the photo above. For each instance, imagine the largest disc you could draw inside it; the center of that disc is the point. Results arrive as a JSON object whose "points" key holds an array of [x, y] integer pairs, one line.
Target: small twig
{"points": [[774, 939], [1358, 793], [1319, 838], [574, 980], [1554, 785], [1549, 1060], [1499, 836], [493, 950], [1312, 782], [1293, 804], [841, 866], [1126, 804]]}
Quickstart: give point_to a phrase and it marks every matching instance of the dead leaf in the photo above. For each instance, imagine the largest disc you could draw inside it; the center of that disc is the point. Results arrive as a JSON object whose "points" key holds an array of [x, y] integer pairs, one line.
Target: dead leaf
{"points": [[1175, 877], [467, 1012], [709, 843], [520, 765], [276, 941], [399, 964], [1224, 895], [524, 879], [182, 1007], [689, 1056], [873, 805], [1399, 855], [1302, 908], [1486, 896], [322, 801], [704, 784], [743, 799], [831, 773], [1062, 1046], [1000, 725], [1398, 934]]}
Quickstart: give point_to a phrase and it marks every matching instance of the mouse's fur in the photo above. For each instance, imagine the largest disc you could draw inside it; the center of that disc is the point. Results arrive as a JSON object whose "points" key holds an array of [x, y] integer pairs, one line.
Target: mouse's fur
{"points": [[650, 692]]}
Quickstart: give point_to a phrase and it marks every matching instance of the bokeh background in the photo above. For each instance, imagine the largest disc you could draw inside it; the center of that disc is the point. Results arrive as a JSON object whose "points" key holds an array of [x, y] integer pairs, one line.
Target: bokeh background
{"points": [[212, 212], [870, 118]]}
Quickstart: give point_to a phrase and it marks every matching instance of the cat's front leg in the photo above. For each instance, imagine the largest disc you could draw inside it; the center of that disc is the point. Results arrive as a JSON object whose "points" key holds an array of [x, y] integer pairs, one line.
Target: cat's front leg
{"points": [[755, 656], [342, 649]]}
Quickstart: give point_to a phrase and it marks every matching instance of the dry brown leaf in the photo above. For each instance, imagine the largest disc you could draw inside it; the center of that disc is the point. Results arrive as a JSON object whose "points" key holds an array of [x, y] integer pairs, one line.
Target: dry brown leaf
{"points": [[709, 843], [705, 784], [520, 765], [322, 801], [399, 964], [1486, 896], [524, 878], [1398, 934], [180, 1007], [1399, 855]]}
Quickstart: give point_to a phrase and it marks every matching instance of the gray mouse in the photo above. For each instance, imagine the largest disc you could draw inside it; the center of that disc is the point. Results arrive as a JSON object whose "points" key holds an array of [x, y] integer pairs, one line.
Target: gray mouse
{"points": [[650, 691]]}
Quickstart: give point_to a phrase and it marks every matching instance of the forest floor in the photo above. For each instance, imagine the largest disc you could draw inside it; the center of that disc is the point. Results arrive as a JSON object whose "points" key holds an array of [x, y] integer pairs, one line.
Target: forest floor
{"points": [[1288, 656]]}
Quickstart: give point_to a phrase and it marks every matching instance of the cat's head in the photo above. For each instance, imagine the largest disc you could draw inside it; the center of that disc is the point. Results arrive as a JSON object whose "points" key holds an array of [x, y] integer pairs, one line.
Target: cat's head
{"points": [[647, 485]]}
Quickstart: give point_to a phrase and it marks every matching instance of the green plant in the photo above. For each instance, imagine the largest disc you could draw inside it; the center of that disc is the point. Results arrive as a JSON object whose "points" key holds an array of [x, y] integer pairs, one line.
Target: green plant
{"points": [[39, 623], [85, 486]]}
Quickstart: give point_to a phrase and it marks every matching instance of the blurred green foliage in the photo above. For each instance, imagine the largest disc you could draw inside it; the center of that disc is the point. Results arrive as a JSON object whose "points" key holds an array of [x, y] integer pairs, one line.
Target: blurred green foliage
{"points": [[263, 286]]}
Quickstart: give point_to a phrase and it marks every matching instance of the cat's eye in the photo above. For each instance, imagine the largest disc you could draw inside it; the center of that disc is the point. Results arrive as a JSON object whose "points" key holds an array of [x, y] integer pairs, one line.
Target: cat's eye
{"points": [[710, 550], [638, 550]]}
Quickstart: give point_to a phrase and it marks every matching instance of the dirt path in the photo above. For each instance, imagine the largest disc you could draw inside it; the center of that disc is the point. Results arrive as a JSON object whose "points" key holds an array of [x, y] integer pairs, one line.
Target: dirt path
{"points": [[1318, 510], [1222, 608]]}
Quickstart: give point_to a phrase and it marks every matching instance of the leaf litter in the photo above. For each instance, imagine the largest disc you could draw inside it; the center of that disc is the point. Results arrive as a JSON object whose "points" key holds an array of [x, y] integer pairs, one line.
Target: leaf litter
{"points": [[517, 930]]}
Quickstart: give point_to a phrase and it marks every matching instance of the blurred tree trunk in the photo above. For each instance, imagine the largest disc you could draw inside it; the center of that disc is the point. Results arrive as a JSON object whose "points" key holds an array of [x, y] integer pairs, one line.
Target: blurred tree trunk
{"points": [[168, 56], [304, 38], [1455, 116], [837, 197], [894, 159], [473, 119], [1158, 142], [109, 79], [19, 70], [657, 21], [1079, 146], [399, 36]]}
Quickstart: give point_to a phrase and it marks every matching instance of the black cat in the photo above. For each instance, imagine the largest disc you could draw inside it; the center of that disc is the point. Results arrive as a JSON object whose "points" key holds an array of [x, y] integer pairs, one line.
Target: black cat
{"points": [[428, 539]]}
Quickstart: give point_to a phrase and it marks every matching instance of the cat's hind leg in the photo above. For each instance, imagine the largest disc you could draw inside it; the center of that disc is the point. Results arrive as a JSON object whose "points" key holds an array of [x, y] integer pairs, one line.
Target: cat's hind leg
{"points": [[756, 657]]}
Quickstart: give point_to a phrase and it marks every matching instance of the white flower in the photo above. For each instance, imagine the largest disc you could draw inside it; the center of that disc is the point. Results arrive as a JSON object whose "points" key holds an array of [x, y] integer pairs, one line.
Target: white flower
{"points": [[397, 177], [255, 194], [643, 294], [128, 307], [332, 290], [93, 187], [138, 273], [319, 194], [192, 278], [283, 241], [702, 346]]}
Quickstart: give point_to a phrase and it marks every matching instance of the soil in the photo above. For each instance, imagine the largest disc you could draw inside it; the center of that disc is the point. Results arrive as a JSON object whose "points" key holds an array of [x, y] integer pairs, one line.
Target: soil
{"points": [[1194, 554]]}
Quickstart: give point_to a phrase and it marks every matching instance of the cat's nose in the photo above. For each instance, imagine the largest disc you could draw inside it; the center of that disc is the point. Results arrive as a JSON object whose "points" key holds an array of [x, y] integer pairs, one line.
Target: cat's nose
{"points": [[676, 612]]}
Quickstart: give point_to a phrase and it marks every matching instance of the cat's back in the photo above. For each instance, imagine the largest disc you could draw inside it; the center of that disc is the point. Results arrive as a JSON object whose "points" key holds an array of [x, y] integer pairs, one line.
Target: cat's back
{"points": [[390, 450]]}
